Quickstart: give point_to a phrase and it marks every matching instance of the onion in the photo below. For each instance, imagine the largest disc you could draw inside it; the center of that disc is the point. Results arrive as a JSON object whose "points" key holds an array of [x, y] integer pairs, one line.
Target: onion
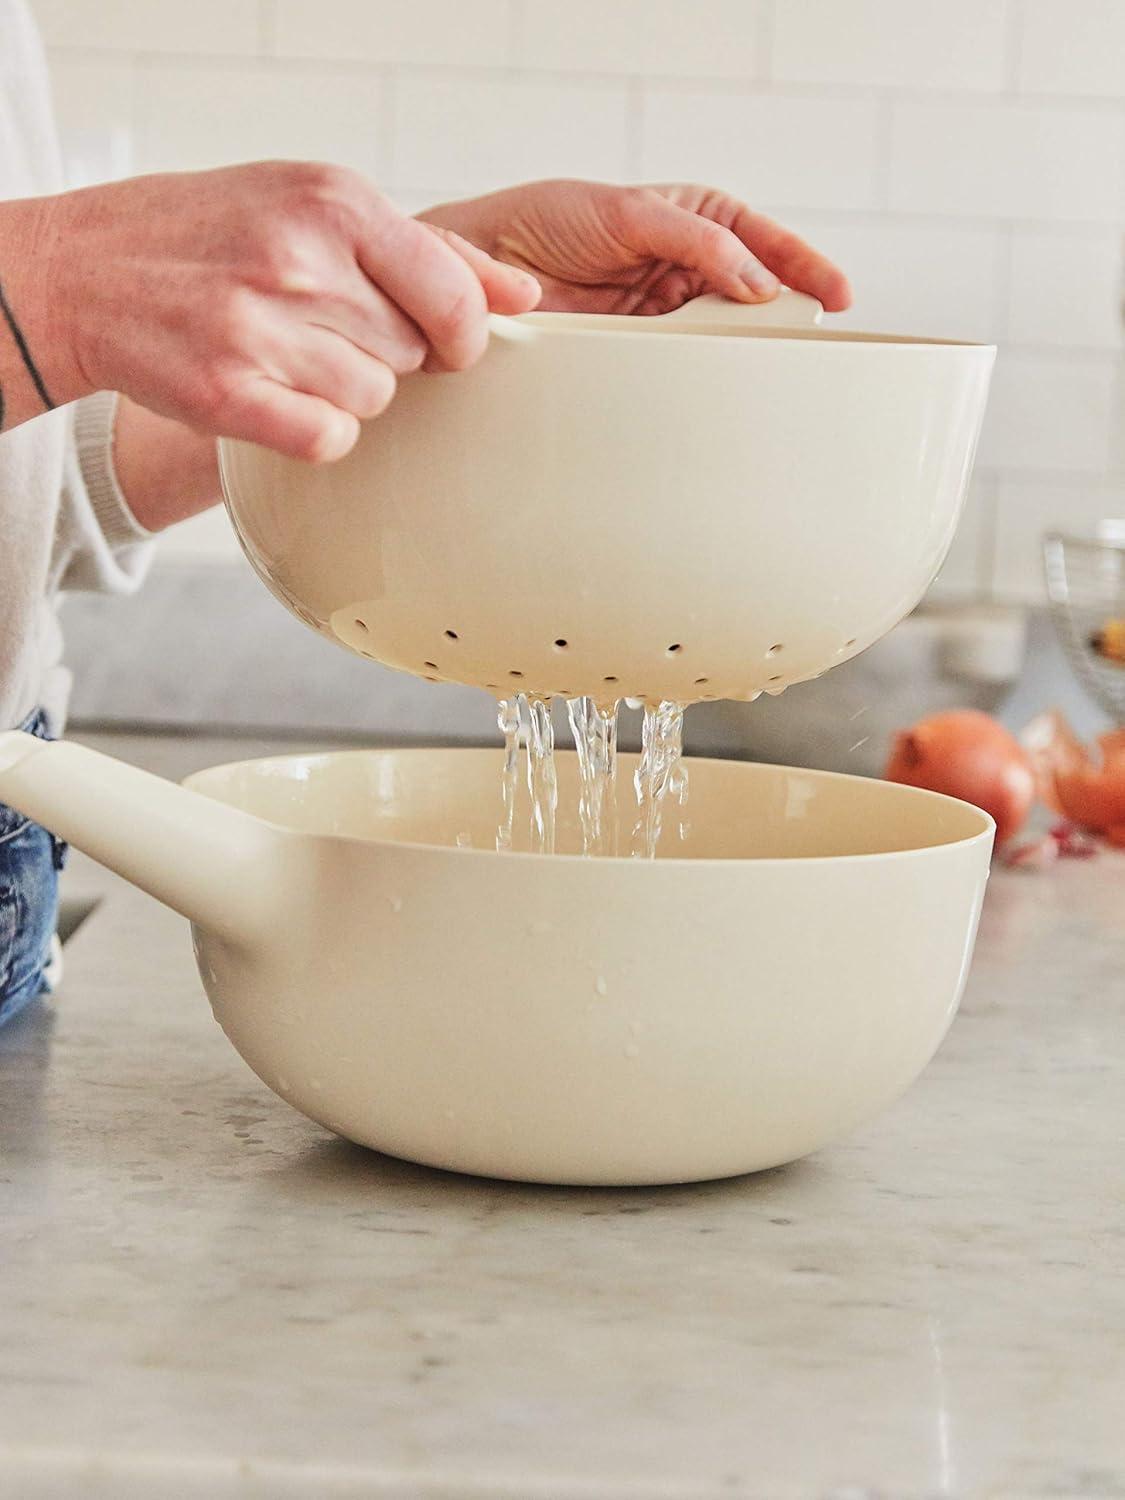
{"points": [[968, 755], [1093, 796]]}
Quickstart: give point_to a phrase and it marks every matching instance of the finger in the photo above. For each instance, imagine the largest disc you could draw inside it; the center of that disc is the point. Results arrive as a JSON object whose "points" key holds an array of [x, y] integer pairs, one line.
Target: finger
{"points": [[291, 422], [374, 324], [654, 227], [430, 283], [790, 257], [321, 363], [507, 288]]}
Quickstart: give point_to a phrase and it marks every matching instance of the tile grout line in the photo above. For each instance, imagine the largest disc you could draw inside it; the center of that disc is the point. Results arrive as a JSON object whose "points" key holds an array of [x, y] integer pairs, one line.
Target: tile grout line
{"points": [[1003, 279], [767, 25], [1013, 47], [986, 541], [386, 150], [634, 129], [267, 28], [883, 156], [517, 28]]}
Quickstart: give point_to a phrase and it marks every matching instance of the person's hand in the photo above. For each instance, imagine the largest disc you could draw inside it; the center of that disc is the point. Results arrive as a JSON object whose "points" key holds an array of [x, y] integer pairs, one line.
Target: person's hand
{"points": [[276, 302], [599, 248]]}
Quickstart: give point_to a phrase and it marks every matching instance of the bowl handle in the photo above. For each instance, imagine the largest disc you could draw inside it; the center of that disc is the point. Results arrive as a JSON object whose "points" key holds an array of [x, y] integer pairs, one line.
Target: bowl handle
{"points": [[786, 310]]}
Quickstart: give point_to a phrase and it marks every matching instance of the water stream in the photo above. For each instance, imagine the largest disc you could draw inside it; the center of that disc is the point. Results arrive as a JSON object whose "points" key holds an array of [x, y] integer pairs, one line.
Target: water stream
{"points": [[660, 780]]}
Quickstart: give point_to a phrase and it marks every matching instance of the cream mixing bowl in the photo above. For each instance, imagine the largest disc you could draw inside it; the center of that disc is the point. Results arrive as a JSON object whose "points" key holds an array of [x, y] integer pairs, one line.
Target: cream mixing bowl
{"points": [[700, 505], [552, 1019]]}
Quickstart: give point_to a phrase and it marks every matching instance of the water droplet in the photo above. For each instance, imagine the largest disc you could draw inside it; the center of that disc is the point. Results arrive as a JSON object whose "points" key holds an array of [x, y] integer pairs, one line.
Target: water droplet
{"points": [[632, 1050], [601, 986], [395, 904]]}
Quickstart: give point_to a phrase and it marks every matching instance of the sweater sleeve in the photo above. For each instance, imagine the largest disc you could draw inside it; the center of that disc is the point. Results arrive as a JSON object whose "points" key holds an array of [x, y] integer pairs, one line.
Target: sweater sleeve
{"points": [[100, 545]]}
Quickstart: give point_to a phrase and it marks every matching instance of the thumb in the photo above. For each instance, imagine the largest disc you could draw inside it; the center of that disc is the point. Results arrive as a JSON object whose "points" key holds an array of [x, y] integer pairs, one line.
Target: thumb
{"points": [[665, 231], [506, 288]]}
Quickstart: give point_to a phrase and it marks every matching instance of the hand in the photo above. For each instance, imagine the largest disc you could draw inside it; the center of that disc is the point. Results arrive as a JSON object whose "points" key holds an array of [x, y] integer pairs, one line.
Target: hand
{"points": [[599, 248], [276, 302]]}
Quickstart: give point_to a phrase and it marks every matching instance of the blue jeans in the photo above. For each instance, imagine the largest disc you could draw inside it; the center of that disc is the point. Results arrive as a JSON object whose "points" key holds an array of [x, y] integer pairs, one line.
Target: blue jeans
{"points": [[30, 861]]}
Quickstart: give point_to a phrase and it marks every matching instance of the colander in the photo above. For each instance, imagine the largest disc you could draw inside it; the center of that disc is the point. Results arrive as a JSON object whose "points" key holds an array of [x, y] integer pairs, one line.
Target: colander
{"points": [[706, 504], [1086, 587]]}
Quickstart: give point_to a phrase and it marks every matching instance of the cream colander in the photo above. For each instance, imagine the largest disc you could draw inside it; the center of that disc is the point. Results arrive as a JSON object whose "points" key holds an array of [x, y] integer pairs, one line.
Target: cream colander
{"points": [[712, 503]]}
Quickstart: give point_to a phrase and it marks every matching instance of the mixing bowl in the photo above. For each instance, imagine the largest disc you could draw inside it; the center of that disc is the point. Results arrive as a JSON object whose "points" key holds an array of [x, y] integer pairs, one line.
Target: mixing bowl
{"points": [[698, 505], [550, 1018]]}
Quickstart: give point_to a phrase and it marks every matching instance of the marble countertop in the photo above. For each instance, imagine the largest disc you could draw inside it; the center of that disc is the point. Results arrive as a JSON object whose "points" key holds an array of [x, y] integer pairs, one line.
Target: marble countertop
{"points": [[204, 1294]]}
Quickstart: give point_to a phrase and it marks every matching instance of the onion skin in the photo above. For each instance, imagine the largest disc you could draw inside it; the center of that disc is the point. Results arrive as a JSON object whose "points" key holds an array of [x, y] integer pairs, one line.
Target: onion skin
{"points": [[968, 755]]}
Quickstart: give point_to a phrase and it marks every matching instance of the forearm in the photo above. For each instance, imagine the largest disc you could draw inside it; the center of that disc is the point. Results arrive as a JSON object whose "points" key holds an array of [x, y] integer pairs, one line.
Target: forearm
{"points": [[37, 370], [166, 471]]}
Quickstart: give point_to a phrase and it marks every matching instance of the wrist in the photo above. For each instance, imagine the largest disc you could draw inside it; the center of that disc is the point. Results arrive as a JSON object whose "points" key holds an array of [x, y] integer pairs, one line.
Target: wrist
{"points": [[165, 471], [36, 252]]}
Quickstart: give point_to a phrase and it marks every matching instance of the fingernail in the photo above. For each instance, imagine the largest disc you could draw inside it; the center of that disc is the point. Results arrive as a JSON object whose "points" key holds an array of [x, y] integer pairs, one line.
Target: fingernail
{"points": [[757, 278]]}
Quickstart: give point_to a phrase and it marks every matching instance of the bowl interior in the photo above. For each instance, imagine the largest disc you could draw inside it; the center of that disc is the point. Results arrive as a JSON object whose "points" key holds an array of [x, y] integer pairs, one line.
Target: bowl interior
{"points": [[449, 798]]}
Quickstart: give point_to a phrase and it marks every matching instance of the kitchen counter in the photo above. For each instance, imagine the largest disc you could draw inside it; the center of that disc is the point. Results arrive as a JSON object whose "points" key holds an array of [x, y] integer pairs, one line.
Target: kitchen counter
{"points": [[206, 1295]]}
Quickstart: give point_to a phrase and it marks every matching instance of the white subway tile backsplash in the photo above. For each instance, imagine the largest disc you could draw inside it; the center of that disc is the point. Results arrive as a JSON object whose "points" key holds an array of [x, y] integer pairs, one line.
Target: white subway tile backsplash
{"points": [[1073, 49], [958, 44], [815, 153], [966, 571], [192, 116], [94, 112], [215, 26], [1007, 160], [1066, 288], [717, 39], [468, 134], [1050, 413], [1028, 509], [395, 31], [936, 280]]}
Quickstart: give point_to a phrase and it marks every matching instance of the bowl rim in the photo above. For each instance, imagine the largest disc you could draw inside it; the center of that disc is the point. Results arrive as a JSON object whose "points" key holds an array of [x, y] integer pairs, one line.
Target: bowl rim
{"points": [[632, 326], [985, 831]]}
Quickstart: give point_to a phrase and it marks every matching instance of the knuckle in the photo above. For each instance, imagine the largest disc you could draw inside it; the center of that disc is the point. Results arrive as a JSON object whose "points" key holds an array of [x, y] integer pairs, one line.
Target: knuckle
{"points": [[411, 356], [325, 182], [216, 393], [630, 205], [317, 445], [458, 328], [231, 322], [380, 392], [714, 240]]}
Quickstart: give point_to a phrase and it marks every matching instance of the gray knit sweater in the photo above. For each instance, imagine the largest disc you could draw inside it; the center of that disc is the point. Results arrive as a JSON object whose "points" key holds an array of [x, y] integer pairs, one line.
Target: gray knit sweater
{"points": [[64, 523]]}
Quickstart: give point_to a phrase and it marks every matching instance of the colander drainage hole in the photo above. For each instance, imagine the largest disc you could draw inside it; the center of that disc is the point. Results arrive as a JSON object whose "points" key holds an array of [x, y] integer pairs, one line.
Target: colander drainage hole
{"points": [[849, 644], [451, 635], [777, 678], [433, 666], [609, 679], [362, 624], [514, 673], [702, 681], [675, 648], [561, 644], [776, 649]]}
